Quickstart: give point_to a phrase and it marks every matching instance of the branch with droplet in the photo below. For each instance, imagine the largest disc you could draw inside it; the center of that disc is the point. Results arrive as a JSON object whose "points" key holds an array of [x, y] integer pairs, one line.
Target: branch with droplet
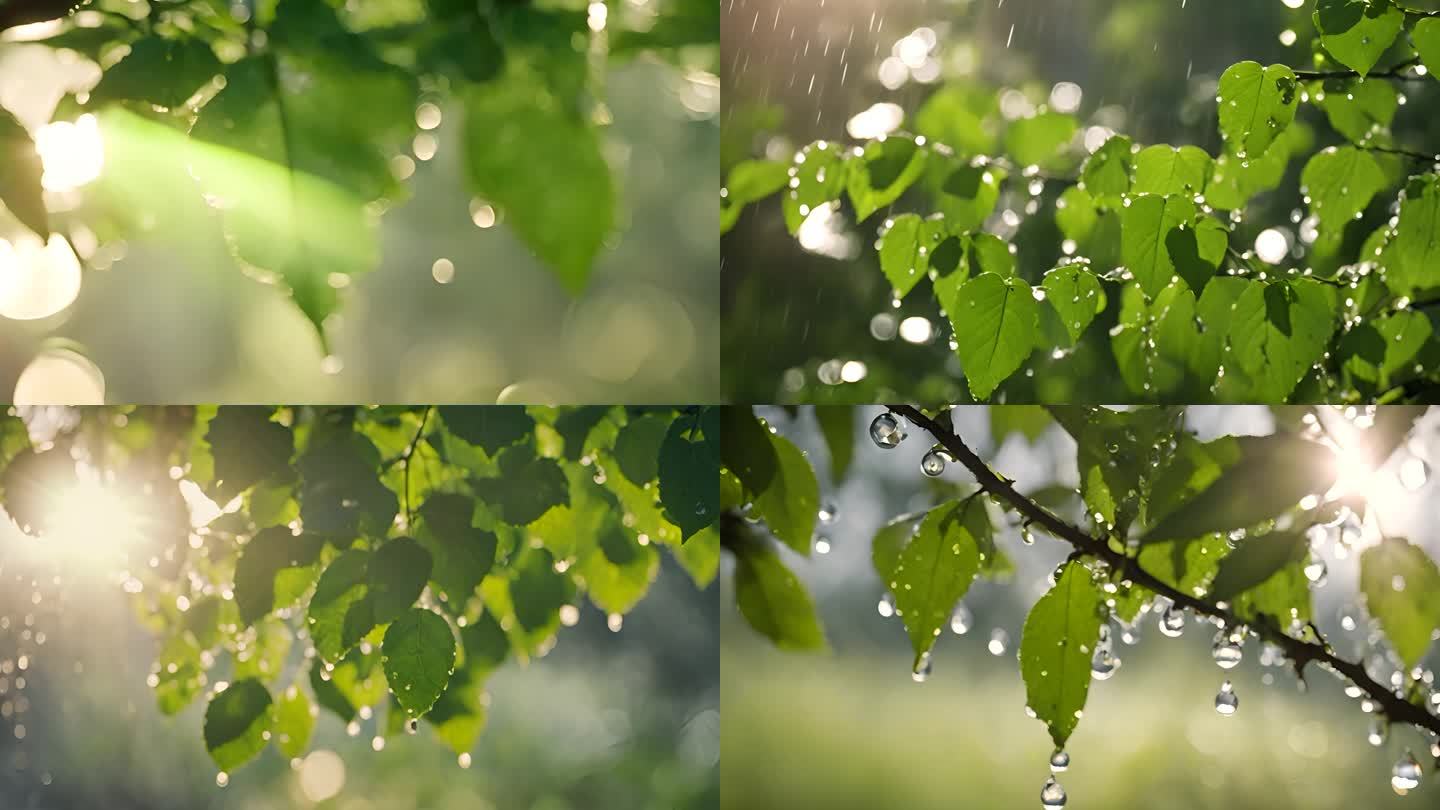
{"points": [[1300, 652]]}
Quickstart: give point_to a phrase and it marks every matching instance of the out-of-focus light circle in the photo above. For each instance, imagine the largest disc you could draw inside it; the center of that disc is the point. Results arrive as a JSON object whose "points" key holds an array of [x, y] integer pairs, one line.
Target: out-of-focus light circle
{"points": [[1272, 246], [880, 119], [59, 376], [72, 153], [37, 280], [1293, 3], [534, 392], [443, 271], [1065, 97], [322, 776]]}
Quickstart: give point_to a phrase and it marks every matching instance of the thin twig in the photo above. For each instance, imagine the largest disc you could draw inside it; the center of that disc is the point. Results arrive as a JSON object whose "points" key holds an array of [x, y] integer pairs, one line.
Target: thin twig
{"points": [[1397, 72], [405, 457], [1406, 153], [1300, 652]]}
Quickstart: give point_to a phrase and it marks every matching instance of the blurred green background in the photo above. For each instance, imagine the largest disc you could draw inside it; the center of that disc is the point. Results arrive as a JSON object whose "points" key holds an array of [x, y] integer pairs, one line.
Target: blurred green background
{"points": [[172, 319], [851, 730], [606, 721], [799, 70]]}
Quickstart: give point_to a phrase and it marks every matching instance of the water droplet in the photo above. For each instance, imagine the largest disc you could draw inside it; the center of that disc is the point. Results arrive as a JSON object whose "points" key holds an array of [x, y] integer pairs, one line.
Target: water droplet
{"points": [[1379, 732], [1052, 795], [1316, 571], [828, 511], [886, 607], [1226, 652], [1026, 536], [1059, 762], [923, 667], [886, 431], [961, 620], [933, 464], [1103, 664], [999, 641], [412, 726], [1172, 621], [822, 544], [1226, 701], [1406, 774]]}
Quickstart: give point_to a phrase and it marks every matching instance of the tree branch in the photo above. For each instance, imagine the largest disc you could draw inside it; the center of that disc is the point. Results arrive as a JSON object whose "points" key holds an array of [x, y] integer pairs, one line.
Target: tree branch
{"points": [[405, 457], [1394, 707], [1406, 153], [1399, 72]]}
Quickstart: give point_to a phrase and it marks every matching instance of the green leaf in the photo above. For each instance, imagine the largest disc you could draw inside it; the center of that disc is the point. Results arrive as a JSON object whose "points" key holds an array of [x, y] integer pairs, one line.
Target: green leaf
{"points": [[837, 423], [904, 248], [1106, 174], [158, 71], [1359, 109], [996, 323], [891, 539], [1038, 139], [491, 427], [749, 181], [419, 656], [958, 115], [463, 553], [1400, 583], [769, 596], [397, 574], [248, 447], [536, 157], [747, 449], [818, 177], [1358, 32], [1378, 350], [689, 471], [790, 505], [1029, 421], [1415, 249], [341, 587], [1113, 452], [1426, 36], [269, 553], [1255, 560], [1215, 311], [935, 568], [237, 723], [527, 487], [1268, 476], [884, 170], [1340, 183], [538, 591], [1145, 225], [637, 447], [967, 194], [970, 255], [264, 650], [294, 722], [179, 676], [1256, 104], [20, 172], [1057, 643], [1075, 292], [1164, 170], [617, 570], [341, 495], [1191, 468], [1197, 250], [1279, 331], [1076, 214], [1154, 339]]}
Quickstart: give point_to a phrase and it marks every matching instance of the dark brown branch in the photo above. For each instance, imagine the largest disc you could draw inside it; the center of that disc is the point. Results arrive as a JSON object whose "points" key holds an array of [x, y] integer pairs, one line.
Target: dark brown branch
{"points": [[1395, 708], [1400, 72], [1405, 153]]}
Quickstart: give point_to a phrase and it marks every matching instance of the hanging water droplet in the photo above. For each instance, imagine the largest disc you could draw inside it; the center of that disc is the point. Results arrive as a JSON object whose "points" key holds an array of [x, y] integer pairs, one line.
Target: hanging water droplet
{"points": [[1059, 762], [1316, 571], [999, 641], [1379, 731], [933, 464], [828, 511], [961, 620], [412, 726], [1406, 774], [886, 431], [923, 667], [1226, 701], [1103, 664], [1226, 652], [1052, 795], [1026, 536], [1172, 621], [822, 544], [886, 607]]}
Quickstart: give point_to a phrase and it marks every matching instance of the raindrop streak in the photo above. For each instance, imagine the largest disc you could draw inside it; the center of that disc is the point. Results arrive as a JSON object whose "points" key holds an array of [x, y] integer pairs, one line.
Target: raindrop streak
{"points": [[1052, 795], [1406, 774], [1172, 622], [886, 431], [933, 464], [1059, 762], [1226, 701]]}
